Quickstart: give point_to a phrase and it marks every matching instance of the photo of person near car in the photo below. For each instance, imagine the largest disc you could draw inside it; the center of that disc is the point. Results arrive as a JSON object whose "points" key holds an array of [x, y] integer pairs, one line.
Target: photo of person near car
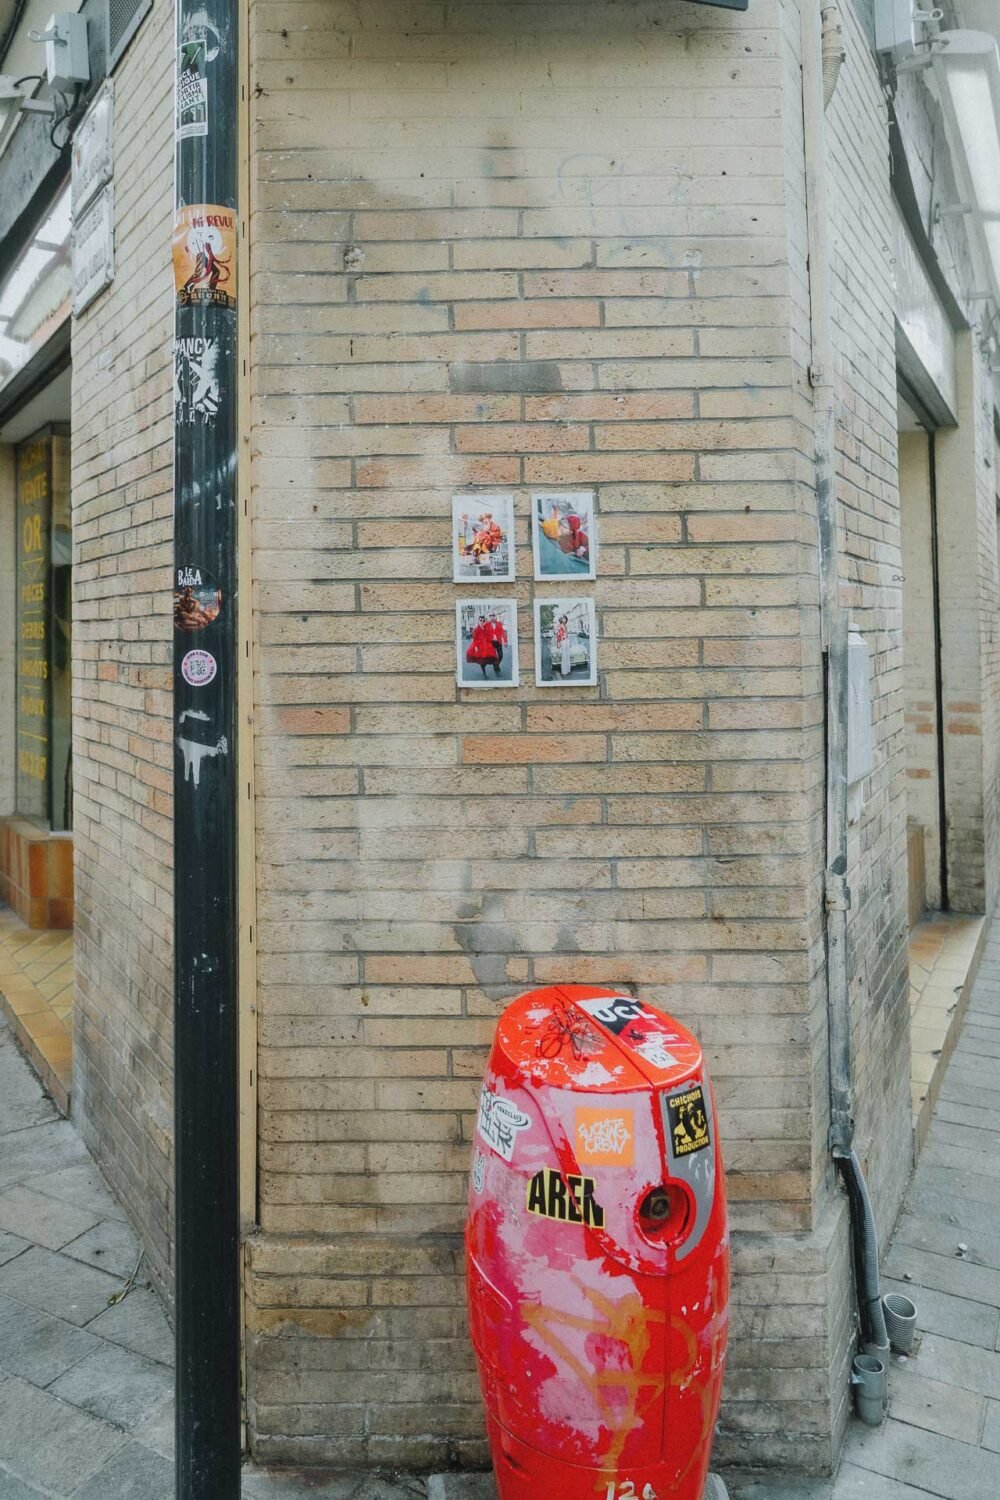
{"points": [[486, 643], [565, 643], [564, 536]]}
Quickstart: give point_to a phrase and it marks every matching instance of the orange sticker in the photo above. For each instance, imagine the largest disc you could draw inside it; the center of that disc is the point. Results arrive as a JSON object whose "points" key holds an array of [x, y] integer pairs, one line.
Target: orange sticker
{"points": [[204, 252], [605, 1138]]}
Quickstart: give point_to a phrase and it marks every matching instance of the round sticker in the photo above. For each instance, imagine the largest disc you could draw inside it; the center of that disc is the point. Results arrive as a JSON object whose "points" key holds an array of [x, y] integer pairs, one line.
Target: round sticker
{"points": [[198, 668]]}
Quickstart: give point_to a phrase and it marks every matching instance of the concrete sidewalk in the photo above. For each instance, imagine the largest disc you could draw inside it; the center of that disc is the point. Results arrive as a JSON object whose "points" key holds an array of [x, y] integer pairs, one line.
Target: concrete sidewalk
{"points": [[942, 1437], [86, 1384]]}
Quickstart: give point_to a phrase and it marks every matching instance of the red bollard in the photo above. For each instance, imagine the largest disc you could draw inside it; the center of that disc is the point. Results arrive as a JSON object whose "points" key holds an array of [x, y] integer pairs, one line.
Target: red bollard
{"points": [[597, 1251]]}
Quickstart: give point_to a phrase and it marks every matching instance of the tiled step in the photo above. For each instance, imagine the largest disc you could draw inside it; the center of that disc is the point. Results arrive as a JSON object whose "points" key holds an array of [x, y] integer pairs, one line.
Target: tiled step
{"points": [[945, 951], [36, 996]]}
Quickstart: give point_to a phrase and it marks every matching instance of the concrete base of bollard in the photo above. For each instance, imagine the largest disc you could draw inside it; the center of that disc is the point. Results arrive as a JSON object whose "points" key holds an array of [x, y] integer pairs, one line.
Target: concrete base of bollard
{"points": [[715, 1489]]}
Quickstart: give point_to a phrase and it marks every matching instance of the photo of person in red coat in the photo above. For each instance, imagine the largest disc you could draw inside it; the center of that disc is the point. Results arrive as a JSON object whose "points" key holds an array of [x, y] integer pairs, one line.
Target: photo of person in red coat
{"points": [[483, 648], [486, 643]]}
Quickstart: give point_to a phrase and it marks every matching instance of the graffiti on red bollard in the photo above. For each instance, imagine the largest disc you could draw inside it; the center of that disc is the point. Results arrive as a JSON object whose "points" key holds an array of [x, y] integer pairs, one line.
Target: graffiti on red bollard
{"points": [[597, 1251]]}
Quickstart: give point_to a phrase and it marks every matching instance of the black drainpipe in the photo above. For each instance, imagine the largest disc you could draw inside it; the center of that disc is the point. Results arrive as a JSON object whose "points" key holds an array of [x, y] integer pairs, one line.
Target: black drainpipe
{"points": [[205, 793]]}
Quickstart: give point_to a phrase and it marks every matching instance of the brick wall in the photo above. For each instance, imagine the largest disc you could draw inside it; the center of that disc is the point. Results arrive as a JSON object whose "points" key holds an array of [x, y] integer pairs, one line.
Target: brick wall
{"points": [[967, 521], [919, 647], [122, 505], [497, 247], [988, 531], [967, 570], [871, 571]]}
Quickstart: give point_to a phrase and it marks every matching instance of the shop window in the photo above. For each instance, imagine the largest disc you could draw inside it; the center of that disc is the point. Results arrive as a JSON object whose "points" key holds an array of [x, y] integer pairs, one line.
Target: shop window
{"points": [[44, 638]]}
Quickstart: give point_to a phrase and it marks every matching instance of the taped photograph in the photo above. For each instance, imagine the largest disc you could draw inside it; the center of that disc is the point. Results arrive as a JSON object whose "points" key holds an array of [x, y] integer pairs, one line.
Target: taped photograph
{"points": [[482, 532], [565, 643], [486, 643], [564, 535]]}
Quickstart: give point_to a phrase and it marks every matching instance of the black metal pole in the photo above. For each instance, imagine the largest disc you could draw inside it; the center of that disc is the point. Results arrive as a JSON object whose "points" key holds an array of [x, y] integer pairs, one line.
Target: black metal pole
{"points": [[205, 800]]}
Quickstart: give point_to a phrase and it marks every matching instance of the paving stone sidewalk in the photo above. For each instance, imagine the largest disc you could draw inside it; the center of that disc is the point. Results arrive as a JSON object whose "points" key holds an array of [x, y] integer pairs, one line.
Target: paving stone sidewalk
{"points": [[86, 1381], [86, 1357]]}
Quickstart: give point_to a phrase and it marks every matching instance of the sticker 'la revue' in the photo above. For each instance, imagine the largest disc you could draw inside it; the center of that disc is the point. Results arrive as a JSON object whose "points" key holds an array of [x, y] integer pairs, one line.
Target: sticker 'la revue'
{"points": [[204, 255]]}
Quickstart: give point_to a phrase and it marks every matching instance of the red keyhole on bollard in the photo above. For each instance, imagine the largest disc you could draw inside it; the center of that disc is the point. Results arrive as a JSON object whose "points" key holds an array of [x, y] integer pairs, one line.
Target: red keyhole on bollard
{"points": [[597, 1251]]}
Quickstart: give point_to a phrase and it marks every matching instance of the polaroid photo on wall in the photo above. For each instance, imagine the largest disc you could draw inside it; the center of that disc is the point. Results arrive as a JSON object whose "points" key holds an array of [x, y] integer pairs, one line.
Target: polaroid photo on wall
{"points": [[564, 534], [486, 643], [565, 643], [482, 538]]}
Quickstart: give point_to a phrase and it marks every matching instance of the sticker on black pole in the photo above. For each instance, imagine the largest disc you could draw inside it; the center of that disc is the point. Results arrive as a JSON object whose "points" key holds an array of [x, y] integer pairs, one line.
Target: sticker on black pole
{"points": [[197, 599], [197, 388], [199, 668], [204, 255]]}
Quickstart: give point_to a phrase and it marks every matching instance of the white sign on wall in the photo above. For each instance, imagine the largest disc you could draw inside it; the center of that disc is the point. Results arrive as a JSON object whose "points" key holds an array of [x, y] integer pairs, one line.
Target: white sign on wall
{"points": [[93, 148], [93, 250]]}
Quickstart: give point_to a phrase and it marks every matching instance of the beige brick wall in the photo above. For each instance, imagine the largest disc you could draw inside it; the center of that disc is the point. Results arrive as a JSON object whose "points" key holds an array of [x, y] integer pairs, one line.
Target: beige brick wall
{"points": [[568, 192], [967, 521], [988, 530], [122, 506], [967, 568], [871, 568], [919, 647]]}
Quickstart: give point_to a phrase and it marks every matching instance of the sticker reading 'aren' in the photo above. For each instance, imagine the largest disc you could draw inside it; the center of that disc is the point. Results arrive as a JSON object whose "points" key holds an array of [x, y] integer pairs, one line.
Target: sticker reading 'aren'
{"points": [[688, 1121], [568, 1199]]}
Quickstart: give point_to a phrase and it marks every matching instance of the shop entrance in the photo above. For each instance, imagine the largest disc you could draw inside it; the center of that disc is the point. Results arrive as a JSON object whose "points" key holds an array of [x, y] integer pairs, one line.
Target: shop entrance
{"points": [[44, 783], [946, 929], [36, 844]]}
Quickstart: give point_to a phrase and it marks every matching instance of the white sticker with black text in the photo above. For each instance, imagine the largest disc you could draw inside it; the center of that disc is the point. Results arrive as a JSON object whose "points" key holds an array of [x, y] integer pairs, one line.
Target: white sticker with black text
{"points": [[500, 1122]]}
